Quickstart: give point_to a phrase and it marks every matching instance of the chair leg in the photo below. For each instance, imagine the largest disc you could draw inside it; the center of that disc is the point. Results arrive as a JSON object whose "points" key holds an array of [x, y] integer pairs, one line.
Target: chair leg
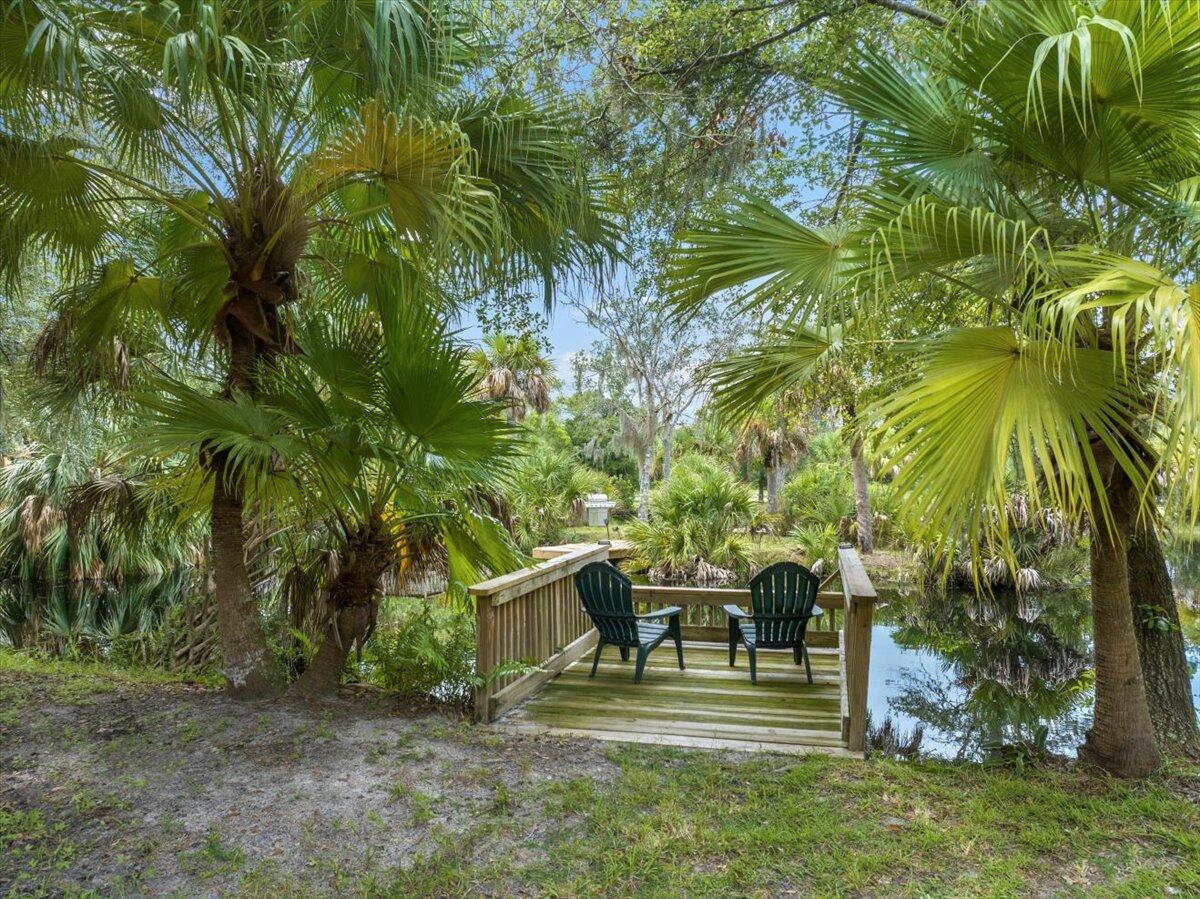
{"points": [[624, 653], [733, 641], [677, 633], [596, 658], [643, 651], [797, 653], [807, 666], [753, 670]]}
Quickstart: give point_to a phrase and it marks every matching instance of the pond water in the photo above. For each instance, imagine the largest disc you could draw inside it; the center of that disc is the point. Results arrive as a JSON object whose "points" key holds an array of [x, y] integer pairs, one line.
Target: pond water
{"points": [[974, 671]]}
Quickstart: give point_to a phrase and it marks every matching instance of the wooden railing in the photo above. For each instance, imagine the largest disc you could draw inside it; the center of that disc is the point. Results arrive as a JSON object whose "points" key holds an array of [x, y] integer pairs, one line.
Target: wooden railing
{"points": [[534, 616]]}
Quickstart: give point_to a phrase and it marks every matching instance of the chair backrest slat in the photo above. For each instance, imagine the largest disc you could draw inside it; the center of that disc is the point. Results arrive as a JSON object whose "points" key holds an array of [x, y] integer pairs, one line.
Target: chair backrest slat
{"points": [[782, 597], [607, 595]]}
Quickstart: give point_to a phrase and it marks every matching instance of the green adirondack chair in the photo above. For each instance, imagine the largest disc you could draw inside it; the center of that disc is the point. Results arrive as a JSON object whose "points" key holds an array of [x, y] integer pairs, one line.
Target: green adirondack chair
{"points": [[607, 596], [783, 598]]}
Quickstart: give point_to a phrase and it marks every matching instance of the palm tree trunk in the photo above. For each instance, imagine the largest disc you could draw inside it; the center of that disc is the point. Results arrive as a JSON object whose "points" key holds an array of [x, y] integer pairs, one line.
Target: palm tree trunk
{"points": [[350, 625], [249, 666], [1121, 740], [1160, 644], [354, 597], [774, 469], [862, 496]]}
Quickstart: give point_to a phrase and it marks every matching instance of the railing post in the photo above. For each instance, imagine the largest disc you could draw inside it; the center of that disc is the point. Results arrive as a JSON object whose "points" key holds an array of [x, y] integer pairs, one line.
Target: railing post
{"points": [[484, 652], [859, 596]]}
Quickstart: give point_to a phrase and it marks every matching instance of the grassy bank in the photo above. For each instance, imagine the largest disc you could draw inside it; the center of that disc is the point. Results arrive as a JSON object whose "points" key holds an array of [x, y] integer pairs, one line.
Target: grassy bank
{"points": [[124, 781]]}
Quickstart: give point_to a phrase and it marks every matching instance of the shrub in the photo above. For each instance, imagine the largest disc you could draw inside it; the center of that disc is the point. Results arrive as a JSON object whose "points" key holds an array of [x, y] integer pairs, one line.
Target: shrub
{"points": [[425, 651], [817, 545], [821, 493], [695, 519], [546, 486]]}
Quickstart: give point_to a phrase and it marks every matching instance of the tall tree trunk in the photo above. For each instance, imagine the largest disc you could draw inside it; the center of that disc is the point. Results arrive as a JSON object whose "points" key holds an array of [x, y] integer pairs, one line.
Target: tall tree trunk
{"points": [[1121, 740], [668, 437], [862, 496], [249, 666], [1160, 644], [646, 462], [354, 599], [774, 470]]}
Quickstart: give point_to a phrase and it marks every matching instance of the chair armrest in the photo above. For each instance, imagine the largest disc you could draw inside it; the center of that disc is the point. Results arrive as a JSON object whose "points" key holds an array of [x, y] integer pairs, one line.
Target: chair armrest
{"points": [[668, 612], [735, 612]]}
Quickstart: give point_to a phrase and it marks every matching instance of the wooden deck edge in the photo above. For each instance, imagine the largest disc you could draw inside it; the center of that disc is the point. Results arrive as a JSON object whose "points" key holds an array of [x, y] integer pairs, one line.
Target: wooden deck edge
{"points": [[709, 743], [521, 689]]}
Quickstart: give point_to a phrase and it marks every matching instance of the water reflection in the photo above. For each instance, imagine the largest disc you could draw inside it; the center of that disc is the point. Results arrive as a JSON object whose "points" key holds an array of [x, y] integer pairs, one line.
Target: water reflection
{"points": [[977, 672], [75, 614]]}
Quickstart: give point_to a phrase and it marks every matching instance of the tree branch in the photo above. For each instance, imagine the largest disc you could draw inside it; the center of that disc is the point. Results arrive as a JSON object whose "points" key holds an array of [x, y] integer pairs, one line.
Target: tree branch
{"points": [[910, 9], [721, 58], [905, 7]]}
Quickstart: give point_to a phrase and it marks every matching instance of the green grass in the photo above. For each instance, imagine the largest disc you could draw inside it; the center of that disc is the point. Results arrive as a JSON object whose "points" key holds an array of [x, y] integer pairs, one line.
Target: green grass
{"points": [[695, 824], [680, 823], [84, 676]]}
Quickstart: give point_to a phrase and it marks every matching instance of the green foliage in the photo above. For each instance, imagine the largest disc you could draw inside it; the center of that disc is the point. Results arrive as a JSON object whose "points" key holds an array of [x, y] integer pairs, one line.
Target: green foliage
{"points": [[548, 485], [426, 651], [77, 514], [996, 170], [695, 521], [817, 544], [1042, 550], [820, 495]]}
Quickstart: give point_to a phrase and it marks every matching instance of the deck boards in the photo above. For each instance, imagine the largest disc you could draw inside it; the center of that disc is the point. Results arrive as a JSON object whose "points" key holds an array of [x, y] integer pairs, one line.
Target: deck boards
{"points": [[710, 705]]}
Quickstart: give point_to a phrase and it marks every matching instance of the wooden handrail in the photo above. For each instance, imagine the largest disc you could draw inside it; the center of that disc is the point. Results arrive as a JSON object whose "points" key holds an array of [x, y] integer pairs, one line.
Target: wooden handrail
{"points": [[508, 586], [858, 594], [716, 596], [531, 616]]}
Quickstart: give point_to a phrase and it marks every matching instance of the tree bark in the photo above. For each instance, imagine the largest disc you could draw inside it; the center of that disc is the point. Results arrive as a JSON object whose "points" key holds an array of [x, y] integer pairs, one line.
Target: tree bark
{"points": [[354, 598], [774, 469], [249, 666], [1121, 740], [862, 496], [1160, 645], [647, 461], [349, 625], [668, 436]]}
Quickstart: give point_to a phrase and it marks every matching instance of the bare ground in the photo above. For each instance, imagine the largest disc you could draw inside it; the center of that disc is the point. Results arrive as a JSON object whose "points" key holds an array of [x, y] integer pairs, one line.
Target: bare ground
{"points": [[116, 783], [175, 789]]}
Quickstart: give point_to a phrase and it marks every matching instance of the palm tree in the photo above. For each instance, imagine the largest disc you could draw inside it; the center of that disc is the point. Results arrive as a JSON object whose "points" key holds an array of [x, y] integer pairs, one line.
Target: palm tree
{"points": [[514, 371], [383, 445], [213, 170], [1042, 163], [776, 437]]}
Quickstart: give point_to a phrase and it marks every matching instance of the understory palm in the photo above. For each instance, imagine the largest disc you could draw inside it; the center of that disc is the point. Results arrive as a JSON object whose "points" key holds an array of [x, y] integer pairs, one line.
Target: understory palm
{"points": [[364, 447], [1042, 166], [203, 174]]}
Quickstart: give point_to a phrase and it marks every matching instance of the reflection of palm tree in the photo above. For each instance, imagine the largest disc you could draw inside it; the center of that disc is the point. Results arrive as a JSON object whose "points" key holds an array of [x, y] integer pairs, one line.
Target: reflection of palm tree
{"points": [[513, 370], [1018, 663]]}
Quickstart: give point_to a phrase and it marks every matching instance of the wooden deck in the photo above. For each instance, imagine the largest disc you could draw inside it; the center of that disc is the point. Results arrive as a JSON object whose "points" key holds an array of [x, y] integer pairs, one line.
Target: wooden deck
{"points": [[710, 705]]}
